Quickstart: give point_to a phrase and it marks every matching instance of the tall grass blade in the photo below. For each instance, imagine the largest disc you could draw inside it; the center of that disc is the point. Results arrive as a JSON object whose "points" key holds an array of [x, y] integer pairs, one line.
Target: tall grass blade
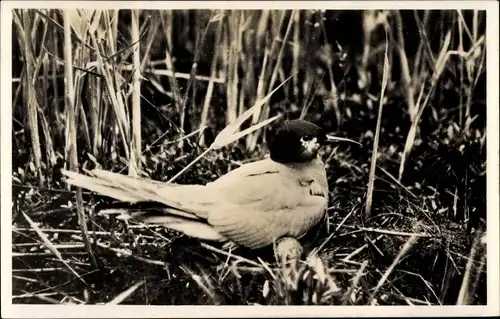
{"points": [[135, 141], [263, 111], [439, 67], [373, 163], [24, 27], [71, 117]]}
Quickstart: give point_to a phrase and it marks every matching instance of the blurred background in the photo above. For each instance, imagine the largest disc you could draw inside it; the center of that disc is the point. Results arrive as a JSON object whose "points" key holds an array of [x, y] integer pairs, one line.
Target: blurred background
{"points": [[144, 92]]}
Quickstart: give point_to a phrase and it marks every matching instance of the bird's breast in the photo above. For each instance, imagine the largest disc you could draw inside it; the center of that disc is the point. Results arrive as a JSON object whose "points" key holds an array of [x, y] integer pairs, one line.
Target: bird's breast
{"points": [[313, 175]]}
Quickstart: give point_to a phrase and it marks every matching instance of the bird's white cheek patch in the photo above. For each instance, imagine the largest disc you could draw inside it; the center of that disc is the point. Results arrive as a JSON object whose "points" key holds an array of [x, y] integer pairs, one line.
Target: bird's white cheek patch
{"points": [[311, 145]]}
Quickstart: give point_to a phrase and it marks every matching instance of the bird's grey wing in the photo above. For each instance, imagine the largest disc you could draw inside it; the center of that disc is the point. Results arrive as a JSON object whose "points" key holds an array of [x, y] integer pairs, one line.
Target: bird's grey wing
{"points": [[238, 186], [250, 183], [265, 204], [254, 227]]}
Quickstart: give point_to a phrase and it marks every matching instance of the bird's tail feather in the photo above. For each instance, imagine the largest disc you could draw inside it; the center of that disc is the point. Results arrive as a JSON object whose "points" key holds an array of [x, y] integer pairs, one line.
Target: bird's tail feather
{"points": [[133, 190], [101, 186], [170, 213]]}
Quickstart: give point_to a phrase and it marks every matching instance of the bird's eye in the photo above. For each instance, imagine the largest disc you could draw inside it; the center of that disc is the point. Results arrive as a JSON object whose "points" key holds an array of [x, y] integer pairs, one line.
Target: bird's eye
{"points": [[306, 138]]}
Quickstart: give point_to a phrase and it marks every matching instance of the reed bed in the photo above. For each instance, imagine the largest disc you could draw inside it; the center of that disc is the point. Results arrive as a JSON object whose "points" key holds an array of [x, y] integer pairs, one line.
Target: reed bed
{"points": [[187, 95]]}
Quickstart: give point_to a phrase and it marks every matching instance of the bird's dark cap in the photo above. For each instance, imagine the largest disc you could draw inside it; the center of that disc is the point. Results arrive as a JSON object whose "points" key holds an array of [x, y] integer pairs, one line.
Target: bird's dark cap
{"points": [[287, 146]]}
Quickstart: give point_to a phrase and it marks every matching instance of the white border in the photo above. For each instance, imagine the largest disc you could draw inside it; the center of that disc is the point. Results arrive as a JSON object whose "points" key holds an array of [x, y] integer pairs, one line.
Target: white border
{"points": [[294, 4], [493, 268]]}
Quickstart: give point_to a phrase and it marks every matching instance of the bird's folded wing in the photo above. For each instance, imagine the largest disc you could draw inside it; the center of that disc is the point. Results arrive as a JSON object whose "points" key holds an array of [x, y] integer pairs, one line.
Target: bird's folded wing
{"points": [[250, 183], [255, 228], [269, 185], [264, 202]]}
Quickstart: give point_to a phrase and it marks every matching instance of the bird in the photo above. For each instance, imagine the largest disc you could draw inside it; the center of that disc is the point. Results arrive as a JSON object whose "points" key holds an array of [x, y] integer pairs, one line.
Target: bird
{"points": [[275, 199]]}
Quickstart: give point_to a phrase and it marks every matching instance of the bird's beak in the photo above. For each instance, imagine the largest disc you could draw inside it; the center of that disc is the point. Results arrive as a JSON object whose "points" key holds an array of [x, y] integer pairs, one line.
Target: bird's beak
{"points": [[331, 138]]}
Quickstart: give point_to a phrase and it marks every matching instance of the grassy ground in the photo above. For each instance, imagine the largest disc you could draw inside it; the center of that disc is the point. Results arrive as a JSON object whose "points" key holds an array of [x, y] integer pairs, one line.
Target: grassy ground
{"points": [[408, 85]]}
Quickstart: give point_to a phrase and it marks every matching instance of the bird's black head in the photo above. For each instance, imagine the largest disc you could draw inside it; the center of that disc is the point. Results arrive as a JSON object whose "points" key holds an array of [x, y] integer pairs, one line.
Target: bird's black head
{"points": [[297, 141]]}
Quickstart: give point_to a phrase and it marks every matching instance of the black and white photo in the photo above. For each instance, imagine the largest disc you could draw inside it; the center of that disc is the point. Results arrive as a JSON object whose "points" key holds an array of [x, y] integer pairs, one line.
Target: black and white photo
{"points": [[222, 154]]}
